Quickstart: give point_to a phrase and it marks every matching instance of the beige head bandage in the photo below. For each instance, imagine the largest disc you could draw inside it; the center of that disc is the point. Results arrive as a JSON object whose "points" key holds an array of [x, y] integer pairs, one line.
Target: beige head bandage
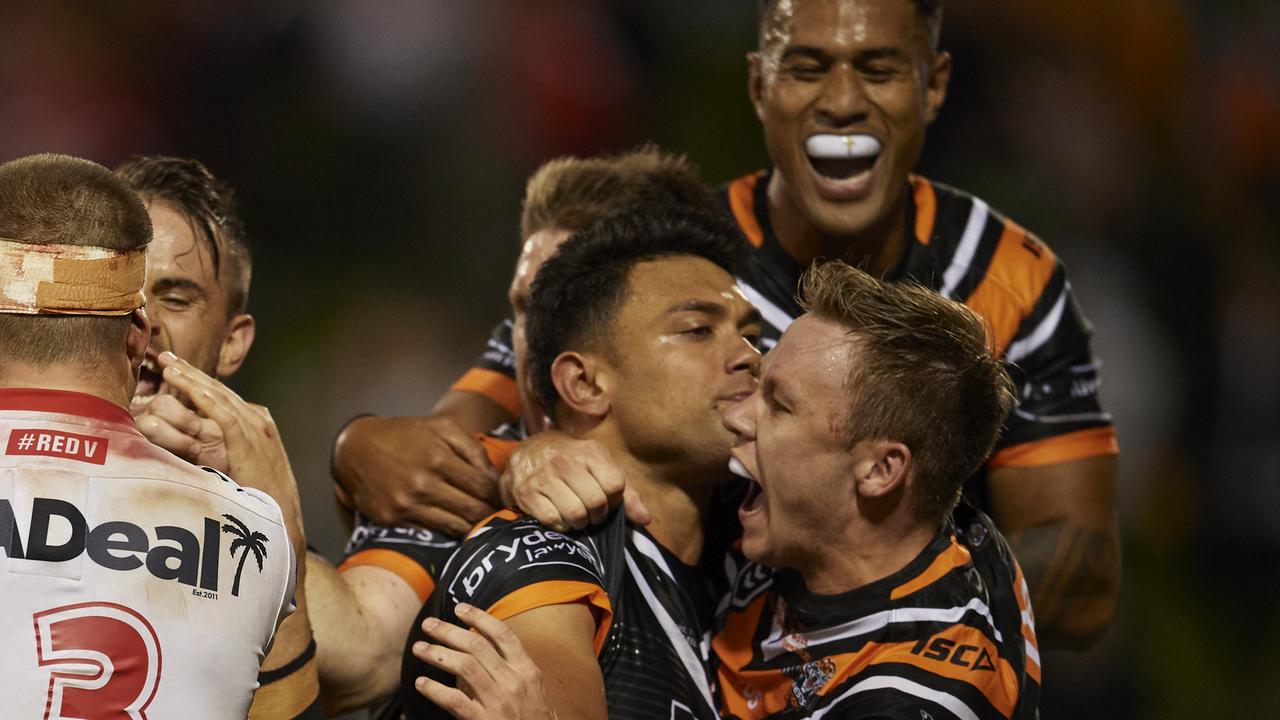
{"points": [[70, 279]]}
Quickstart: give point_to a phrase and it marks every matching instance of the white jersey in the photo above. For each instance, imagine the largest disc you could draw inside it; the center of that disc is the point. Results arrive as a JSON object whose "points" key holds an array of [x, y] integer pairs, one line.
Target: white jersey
{"points": [[132, 584]]}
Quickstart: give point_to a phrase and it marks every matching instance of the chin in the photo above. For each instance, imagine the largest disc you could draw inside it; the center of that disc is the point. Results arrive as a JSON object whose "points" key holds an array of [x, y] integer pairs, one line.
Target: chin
{"points": [[756, 547], [849, 218]]}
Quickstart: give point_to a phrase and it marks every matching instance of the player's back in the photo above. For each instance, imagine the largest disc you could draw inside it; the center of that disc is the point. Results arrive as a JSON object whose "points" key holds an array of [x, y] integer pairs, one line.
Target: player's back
{"points": [[135, 584]]}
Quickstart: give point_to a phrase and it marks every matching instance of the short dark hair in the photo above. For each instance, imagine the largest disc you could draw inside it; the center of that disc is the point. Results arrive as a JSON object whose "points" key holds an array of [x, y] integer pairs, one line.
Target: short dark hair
{"points": [[929, 12], [577, 292], [53, 199], [191, 189], [570, 193], [926, 377]]}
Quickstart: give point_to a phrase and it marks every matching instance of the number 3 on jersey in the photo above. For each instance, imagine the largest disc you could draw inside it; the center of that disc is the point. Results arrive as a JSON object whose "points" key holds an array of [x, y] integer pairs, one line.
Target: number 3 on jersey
{"points": [[103, 658]]}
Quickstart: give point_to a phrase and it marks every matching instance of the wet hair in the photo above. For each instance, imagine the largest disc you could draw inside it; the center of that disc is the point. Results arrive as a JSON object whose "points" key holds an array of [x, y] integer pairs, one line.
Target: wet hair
{"points": [[929, 12], [577, 293], [570, 193], [209, 203], [925, 377], [53, 199]]}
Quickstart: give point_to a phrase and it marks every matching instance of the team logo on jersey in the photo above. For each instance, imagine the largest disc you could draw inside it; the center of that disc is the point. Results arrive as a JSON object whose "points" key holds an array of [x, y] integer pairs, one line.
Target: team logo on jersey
{"points": [[808, 679], [58, 533], [246, 541]]}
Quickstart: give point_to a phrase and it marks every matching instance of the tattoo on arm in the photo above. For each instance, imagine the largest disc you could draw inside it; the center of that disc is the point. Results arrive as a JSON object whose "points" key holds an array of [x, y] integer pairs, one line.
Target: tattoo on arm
{"points": [[1072, 573]]}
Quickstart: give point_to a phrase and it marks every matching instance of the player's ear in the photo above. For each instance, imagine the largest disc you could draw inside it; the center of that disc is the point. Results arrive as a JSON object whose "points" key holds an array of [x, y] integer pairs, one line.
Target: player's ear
{"points": [[935, 92], [235, 345], [880, 468], [755, 82], [581, 385], [138, 337]]}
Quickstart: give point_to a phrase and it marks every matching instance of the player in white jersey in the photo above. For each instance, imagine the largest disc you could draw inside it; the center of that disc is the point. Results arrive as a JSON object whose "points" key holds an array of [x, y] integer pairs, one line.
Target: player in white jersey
{"points": [[135, 584]]}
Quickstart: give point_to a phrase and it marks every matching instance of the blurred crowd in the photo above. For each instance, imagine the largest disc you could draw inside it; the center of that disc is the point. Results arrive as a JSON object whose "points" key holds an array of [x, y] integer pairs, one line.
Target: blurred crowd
{"points": [[380, 149]]}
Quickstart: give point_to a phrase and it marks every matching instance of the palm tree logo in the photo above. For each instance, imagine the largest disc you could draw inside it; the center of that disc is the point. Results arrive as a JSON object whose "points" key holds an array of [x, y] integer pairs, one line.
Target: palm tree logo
{"points": [[251, 542]]}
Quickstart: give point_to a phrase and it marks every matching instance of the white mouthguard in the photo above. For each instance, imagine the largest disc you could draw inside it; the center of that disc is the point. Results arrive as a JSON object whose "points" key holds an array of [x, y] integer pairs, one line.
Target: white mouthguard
{"points": [[835, 147], [737, 468]]}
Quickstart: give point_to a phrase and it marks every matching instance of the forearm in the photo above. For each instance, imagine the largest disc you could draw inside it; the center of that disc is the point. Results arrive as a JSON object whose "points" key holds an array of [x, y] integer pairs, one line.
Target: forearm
{"points": [[1061, 521], [358, 644], [1073, 573], [472, 411], [288, 679]]}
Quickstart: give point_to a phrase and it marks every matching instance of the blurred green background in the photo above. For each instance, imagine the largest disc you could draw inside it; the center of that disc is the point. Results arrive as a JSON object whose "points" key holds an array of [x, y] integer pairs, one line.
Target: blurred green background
{"points": [[380, 149]]}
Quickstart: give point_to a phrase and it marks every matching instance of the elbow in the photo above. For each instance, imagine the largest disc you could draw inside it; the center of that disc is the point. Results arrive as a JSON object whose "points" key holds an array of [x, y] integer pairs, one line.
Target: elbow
{"points": [[355, 692]]}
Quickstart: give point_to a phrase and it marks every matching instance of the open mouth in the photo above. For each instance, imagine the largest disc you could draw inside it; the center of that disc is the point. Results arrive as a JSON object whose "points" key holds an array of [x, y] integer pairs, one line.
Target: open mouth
{"points": [[149, 378], [843, 158], [755, 491], [751, 501]]}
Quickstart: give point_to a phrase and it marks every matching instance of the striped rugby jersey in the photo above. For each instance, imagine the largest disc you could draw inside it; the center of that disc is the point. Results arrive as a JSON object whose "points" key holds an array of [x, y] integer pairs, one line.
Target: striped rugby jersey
{"points": [[964, 250], [950, 636], [653, 612], [418, 556]]}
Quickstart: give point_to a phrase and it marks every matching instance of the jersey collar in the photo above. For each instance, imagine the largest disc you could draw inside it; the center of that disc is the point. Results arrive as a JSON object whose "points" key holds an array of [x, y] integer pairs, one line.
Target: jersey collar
{"points": [[65, 403]]}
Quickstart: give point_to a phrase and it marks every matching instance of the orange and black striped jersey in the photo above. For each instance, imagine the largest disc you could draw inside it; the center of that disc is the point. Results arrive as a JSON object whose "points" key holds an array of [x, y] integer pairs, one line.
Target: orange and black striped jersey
{"points": [[418, 556], [653, 612], [963, 249], [951, 635]]}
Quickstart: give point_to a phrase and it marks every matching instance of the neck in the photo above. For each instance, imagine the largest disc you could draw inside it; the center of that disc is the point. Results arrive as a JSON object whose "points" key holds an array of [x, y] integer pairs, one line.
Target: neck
{"points": [[876, 249], [96, 381], [870, 553], [674, 495]]}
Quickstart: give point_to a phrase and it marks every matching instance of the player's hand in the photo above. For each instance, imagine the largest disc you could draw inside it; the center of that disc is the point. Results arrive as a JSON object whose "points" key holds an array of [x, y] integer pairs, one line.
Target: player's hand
{"points": [[255, 455], [565, 482], [165, 421], [423, 472], [501, 682]]}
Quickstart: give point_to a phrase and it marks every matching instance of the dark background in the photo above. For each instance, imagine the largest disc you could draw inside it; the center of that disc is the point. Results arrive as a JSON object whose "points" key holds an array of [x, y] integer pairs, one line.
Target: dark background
{"points": [[380, 150]]}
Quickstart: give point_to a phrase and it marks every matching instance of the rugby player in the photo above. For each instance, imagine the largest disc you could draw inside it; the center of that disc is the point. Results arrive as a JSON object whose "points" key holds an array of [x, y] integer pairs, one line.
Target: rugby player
{"points": [[362, 614], [114, 548], [199, 270], [429, 471], [859, 589], [637, 337], [844, 90], [871, 412]]}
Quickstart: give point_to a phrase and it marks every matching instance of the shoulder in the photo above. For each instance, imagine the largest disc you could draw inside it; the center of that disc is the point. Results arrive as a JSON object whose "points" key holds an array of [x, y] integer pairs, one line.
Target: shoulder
{"points": [[247, 499], [997, 267], [508, 552]]}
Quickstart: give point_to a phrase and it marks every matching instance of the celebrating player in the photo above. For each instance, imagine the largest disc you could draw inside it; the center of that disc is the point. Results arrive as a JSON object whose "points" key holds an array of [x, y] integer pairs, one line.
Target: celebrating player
{"points": [[152, 586], [844, 90], [362, 617], [637, 338], [871, 412], [864, 591]]}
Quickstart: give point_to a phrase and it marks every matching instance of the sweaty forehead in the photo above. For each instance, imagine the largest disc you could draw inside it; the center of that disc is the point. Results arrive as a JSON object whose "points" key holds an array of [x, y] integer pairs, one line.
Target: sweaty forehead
{"points": [[813, 352], [177, 247], [537, 249], [840, 24], [656, 286]]}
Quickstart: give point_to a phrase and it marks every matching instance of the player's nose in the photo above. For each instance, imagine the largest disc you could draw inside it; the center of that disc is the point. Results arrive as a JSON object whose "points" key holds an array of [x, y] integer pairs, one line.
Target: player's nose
{"points": [[842, 102]]}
